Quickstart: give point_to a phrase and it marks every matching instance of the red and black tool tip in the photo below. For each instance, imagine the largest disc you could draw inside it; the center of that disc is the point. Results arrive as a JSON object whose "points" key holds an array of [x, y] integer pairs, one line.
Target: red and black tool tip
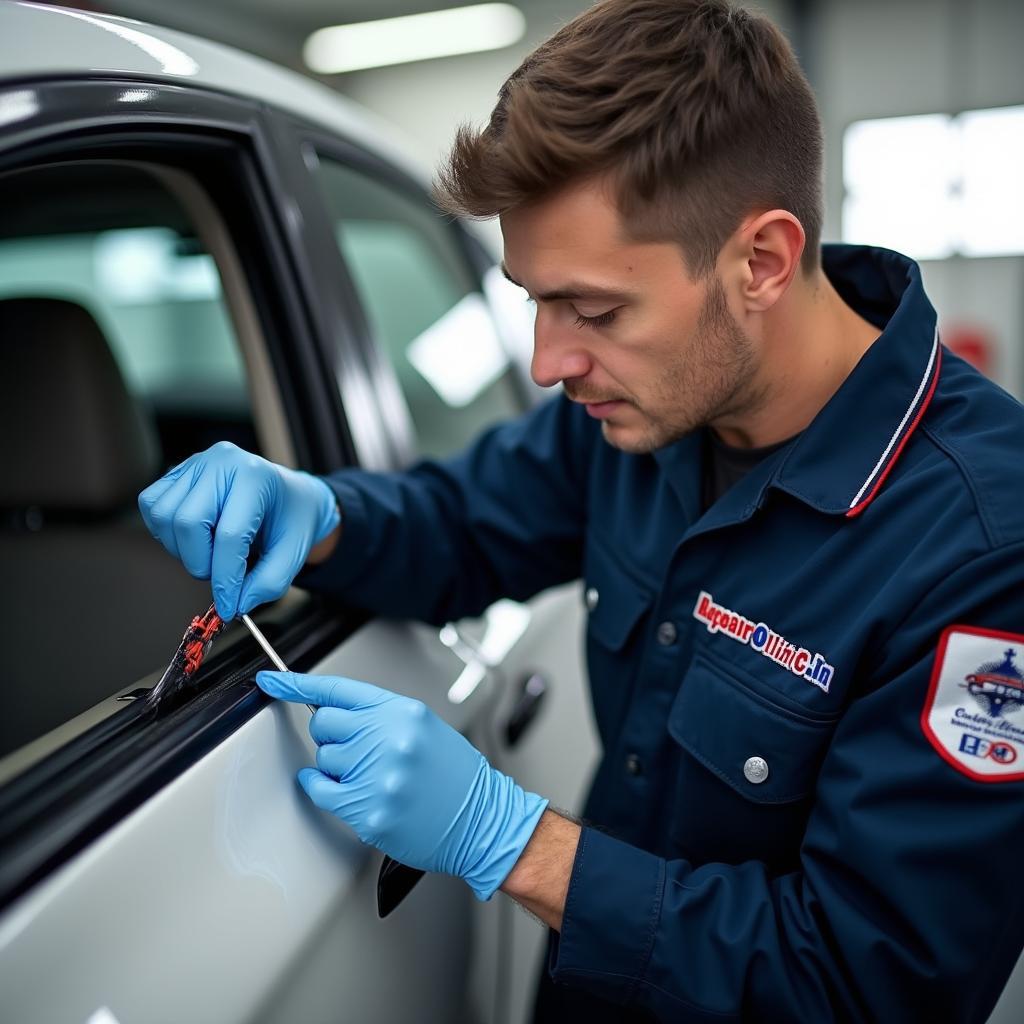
{"points": [[189, 656]]}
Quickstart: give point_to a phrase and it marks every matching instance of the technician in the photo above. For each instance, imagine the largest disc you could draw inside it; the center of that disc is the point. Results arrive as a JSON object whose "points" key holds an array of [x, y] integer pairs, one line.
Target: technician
{"points": [[801, 529]]}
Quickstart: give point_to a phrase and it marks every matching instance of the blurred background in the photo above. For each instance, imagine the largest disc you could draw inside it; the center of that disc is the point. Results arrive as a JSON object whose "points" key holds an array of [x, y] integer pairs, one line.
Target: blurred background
{"points": [[943, 183]]}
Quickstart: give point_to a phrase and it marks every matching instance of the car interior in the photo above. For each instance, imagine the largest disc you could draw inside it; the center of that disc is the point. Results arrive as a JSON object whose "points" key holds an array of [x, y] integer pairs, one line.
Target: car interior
{"points": [[117, 360]]}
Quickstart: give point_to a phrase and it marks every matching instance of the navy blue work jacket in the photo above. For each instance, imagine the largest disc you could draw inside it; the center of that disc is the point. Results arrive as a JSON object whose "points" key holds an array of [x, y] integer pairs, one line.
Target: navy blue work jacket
{"points": [[810, 803]]}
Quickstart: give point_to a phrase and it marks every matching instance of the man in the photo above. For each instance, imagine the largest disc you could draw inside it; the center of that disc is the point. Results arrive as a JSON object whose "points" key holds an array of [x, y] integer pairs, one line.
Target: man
{"points": [[803, 542]]}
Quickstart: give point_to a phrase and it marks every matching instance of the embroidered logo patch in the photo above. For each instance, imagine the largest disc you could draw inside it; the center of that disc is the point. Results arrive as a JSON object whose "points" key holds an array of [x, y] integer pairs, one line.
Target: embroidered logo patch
{"points": [[775, 647], [974, 712]]}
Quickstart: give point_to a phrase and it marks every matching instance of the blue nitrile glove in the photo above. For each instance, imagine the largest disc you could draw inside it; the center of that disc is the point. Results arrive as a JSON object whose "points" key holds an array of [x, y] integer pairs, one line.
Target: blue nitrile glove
{"points": [[408, 783], [208, 510]]}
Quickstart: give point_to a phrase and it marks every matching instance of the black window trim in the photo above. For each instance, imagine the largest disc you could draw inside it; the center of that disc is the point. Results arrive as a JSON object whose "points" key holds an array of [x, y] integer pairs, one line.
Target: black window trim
{"points": [[293, 139]]}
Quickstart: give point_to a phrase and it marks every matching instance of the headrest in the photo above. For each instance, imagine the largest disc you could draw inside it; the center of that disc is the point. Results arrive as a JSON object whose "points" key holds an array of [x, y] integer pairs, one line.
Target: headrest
{"points": [[72, 436]]}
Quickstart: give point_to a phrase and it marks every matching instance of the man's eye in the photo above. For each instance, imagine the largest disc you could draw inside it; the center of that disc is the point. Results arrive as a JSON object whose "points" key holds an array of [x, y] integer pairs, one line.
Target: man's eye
{"points": [[602, 320]]}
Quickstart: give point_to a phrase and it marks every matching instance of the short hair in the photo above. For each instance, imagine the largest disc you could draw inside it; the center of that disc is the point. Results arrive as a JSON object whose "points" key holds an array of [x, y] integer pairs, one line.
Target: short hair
{"points": [[697, 109]]}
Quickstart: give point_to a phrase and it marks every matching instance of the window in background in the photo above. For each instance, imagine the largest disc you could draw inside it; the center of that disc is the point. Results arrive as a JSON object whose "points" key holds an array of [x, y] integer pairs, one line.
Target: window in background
{"points": [[424, 307], [934, 186]]}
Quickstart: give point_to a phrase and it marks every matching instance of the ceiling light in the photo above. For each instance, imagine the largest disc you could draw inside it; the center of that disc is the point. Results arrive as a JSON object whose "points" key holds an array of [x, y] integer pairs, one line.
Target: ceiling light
{"points": [[372, 44]]}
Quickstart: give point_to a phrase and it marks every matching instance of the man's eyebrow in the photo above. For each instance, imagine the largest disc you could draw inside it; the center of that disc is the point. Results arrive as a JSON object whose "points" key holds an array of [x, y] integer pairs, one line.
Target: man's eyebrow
{"points": [[575, 290]]}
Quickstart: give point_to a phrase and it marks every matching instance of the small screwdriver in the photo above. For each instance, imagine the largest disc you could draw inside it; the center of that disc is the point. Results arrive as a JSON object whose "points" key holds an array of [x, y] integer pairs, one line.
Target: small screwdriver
{"points": [[276, 658]]}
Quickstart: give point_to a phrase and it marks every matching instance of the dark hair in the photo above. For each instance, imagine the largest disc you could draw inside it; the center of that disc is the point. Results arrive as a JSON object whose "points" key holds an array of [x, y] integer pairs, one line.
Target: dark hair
{"points": [[697, 109]]}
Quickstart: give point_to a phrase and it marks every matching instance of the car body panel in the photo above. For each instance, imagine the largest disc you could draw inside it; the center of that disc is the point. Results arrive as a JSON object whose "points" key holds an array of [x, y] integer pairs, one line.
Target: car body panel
{"points": [[205, 904]]}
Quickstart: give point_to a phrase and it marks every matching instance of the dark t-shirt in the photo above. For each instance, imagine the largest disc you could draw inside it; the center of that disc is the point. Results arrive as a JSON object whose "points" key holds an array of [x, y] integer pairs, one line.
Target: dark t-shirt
{"points": [[725, 465]]}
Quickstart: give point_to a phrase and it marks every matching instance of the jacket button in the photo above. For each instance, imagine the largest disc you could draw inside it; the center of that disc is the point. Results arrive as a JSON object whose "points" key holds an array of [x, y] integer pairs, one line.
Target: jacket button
{"points": [[667, 634], [634, 766], [755, 770], [591, 598]]}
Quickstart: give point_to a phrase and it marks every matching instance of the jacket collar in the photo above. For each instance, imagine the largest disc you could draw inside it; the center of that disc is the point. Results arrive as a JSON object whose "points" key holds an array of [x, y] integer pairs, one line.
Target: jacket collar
{"points": [[840, 462]]}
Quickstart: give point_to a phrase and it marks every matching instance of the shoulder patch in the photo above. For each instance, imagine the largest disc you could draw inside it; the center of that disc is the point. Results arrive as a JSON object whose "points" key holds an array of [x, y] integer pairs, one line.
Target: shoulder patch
{"points": [[974, 712]]}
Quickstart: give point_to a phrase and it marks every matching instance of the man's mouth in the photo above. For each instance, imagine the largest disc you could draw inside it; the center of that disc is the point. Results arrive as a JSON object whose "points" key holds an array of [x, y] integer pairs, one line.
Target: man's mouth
{"points": [[601, 410]]}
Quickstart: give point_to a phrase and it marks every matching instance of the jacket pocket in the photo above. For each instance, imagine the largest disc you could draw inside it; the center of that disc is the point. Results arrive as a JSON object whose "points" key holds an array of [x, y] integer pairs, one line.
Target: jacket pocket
{"points": [[616, 606], [747, 769]]}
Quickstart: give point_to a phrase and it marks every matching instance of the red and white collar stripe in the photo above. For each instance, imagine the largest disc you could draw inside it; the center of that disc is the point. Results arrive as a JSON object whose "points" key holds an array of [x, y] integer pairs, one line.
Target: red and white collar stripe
{"points": [[901, 435]]}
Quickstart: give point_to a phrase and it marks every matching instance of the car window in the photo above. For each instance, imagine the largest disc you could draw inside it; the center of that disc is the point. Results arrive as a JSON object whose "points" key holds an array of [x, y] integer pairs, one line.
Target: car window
{"points": [[117, 359], [424, 307]]}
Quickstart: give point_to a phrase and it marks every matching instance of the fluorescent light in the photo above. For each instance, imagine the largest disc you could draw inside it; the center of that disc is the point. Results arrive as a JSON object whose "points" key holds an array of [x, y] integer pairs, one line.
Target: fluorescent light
{"points": [[374, 44]]}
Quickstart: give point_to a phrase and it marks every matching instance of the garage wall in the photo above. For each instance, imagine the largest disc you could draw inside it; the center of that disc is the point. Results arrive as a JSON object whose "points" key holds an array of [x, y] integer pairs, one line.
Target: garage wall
{"points": [[879, 58]]}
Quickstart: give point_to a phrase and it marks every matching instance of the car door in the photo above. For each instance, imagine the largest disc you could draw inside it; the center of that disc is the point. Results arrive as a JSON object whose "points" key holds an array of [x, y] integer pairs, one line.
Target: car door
{"points": [[437, 315], [159, 863]]}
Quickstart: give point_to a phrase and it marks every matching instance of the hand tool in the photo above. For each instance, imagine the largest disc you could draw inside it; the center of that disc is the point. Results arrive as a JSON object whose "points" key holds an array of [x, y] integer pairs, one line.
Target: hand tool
{"points": [[275, 658], [395, 880], [189, 656]]}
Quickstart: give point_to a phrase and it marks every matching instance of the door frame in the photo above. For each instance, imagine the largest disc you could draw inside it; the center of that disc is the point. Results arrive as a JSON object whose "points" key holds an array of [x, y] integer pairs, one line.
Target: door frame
{"points": [[60, 804]]}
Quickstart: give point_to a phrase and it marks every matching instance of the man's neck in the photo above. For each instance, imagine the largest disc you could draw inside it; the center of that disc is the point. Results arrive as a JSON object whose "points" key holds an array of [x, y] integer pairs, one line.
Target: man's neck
{"points": [[810, 341]]}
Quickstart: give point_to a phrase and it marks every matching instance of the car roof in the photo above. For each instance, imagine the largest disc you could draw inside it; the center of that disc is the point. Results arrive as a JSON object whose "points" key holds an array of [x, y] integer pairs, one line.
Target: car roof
{"points": [[39, 41]]}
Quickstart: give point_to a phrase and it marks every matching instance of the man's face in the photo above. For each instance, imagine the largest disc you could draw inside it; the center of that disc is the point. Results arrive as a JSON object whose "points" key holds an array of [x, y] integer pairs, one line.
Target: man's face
{"points": [[651, 353]]}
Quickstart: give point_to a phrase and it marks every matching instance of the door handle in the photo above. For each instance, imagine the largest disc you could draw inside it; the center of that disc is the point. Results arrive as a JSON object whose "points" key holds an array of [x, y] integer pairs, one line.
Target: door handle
{"points": [[459, 644], [505, 622], [475, 670], [534, 688]]}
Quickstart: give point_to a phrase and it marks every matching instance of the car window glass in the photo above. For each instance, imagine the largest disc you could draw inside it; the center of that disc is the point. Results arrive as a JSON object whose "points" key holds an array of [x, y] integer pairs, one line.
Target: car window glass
{"points": [[424, 307], [118, 360]]}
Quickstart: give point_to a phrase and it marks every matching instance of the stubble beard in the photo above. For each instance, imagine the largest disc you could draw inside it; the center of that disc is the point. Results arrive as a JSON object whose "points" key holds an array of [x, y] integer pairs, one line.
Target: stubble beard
{"points": [[712, 378]]}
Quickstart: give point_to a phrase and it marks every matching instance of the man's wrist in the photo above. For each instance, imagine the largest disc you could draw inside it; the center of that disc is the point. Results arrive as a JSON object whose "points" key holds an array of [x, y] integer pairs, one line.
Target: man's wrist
{"points": [[323, 550], [539, 880], [331, 521]]}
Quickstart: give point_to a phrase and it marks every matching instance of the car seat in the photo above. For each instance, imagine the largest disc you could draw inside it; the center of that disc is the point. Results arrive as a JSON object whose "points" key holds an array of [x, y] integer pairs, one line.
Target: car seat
{"points": [[90, 602]]}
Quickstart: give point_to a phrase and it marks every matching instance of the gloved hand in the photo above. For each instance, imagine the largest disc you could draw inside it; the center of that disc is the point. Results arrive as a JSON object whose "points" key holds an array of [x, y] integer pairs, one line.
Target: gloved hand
{"points": [[209, 510], [408, 783]]}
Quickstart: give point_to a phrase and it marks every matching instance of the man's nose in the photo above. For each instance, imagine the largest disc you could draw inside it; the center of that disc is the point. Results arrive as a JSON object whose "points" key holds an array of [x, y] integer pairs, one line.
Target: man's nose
{"points": [[556, 357]]}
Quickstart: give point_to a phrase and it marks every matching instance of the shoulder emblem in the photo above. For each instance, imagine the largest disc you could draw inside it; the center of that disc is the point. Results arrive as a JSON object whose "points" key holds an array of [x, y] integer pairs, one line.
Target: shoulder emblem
{"points": [[974, 712]]}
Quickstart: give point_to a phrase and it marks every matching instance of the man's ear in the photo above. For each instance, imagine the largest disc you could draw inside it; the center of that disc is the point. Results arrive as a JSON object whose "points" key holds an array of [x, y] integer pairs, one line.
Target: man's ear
{"points": [[767, 251]]}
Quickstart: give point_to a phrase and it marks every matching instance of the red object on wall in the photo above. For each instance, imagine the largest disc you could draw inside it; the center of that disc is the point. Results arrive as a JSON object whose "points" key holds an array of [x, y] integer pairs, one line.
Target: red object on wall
{"points": [[973, 343]]}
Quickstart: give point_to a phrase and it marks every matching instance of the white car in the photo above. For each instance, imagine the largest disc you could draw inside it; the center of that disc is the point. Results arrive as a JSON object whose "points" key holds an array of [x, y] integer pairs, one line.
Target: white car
{"points": [[196, 245]]}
